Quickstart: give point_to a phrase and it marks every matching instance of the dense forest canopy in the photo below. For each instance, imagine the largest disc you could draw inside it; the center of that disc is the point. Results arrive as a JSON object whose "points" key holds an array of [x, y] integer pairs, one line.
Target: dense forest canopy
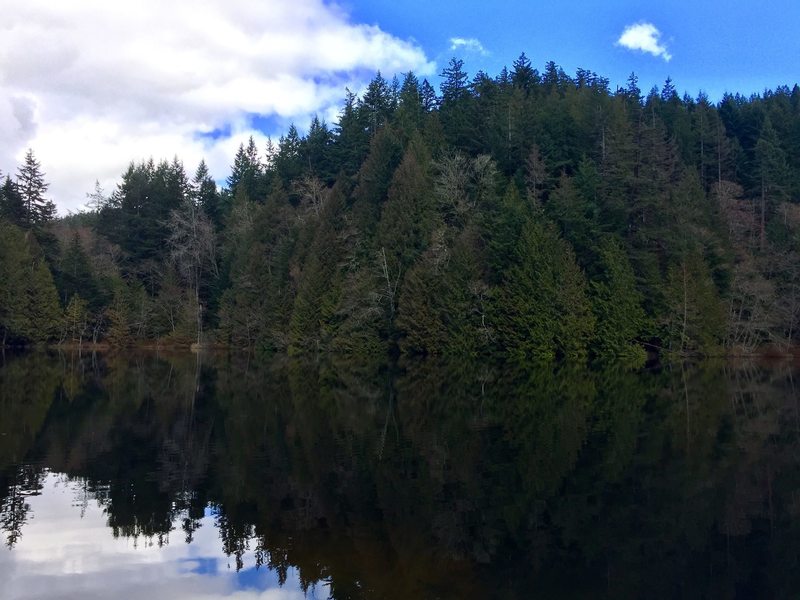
{"points": [[528, 216]]}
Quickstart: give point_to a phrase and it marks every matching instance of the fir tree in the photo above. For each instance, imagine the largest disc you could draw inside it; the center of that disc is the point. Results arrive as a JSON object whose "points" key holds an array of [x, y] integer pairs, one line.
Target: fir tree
{"points": [[12, 205], [32, 187]]}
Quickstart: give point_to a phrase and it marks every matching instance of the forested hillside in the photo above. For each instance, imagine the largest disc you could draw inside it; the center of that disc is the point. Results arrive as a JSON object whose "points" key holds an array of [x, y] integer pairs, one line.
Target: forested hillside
{"points": [[527, 216]]}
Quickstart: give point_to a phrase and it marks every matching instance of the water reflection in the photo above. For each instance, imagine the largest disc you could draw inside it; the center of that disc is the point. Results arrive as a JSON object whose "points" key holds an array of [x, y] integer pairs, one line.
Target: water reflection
{"points": [[64, 556], [419, 480]]}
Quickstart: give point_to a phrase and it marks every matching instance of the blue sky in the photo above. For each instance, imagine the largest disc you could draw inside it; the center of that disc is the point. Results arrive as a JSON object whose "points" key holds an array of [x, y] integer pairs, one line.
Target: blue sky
{"points": [[92, 85], [715, 46]]}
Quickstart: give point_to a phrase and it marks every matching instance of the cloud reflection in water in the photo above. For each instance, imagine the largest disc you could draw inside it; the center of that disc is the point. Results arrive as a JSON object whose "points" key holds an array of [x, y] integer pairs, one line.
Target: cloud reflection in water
{"points": [[63, 555]]}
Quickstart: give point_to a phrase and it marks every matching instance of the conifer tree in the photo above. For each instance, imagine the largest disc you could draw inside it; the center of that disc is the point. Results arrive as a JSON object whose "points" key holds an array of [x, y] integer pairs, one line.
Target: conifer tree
{"points": [[204, 194], [246, 172], [12, 205], [377, 104], [75, 274], [543, 311], [32, 188], [772, 172], [29, 307], [617, 305]]}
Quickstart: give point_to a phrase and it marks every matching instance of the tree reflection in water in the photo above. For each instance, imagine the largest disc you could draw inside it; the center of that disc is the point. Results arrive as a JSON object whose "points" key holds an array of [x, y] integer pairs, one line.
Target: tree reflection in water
{"points": [[426, 479]]}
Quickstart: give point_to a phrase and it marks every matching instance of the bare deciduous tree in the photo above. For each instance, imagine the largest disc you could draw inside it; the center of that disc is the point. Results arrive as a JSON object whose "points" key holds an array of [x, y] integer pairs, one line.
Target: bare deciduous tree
{"points": [[312, 191], [192, 249]]}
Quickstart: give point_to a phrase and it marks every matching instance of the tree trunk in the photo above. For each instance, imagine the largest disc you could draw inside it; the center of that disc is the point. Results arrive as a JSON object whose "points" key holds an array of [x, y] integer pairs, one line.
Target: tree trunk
{"points": [[763, 213]]}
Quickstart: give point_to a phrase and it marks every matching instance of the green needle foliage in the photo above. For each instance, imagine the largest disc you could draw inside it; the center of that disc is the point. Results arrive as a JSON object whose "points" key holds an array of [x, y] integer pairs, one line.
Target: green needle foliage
{"points": [[529, 216]]}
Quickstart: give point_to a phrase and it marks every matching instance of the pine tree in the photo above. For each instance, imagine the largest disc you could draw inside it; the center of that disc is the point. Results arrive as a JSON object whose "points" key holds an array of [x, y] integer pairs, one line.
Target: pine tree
{"points": [[29, 307], [454, 85], [32, 188], [75, 274], [523, 75], [376, 105], [428, 96], [455, 111], [316, 150], [352, 136], [12, 205], [246, 173], [617, 306], [542, 311], [289, 159], [411, 110], [204, 194], [772, 173], [96, 200]]}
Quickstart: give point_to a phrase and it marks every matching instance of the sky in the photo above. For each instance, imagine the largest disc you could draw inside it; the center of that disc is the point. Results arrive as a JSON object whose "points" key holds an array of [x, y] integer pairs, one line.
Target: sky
{"points": [[91, 85]]}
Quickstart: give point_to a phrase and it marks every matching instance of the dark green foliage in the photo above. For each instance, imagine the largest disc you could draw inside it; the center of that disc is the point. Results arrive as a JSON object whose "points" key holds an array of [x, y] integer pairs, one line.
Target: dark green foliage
{"points": [[317, 149], [377, 104], [620, 320], [203, 191], [32, 187], [374, 178], [352, 136], [694, 320], [12, 206], [531, 215], [576, 216], [411, 109], [75, 275], [257, 302], [288, 162], [407, 216], [443, 307], [136, 216], [319, 288], [29, 307], [247, 173], [542, 310]]}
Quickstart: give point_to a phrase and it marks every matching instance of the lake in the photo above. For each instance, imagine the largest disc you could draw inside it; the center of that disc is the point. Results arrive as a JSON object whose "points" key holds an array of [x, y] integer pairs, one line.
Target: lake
{"points": [[161, 476]]}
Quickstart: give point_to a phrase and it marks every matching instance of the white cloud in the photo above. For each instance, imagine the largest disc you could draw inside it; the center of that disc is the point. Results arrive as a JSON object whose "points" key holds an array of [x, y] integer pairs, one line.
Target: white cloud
{"points": [[468, 44], [644, 37], [91, 85]]}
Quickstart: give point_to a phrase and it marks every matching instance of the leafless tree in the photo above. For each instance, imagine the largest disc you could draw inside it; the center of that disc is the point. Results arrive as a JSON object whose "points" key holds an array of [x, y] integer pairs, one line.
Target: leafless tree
{"points": [[193, 250], [312, 192]]}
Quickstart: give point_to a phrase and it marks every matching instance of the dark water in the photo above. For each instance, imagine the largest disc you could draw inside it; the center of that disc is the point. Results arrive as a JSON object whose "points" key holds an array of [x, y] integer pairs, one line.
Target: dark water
{"points": [[144, 476]]}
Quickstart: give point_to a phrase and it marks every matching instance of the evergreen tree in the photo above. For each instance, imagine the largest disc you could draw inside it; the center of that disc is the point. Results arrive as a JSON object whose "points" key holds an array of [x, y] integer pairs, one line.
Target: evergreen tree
{"points": [[246, 173], [75, 275], [289, 160], [352, 136], [29, 308], [204, 194], [428, 96], [32, 187], [12, 205], [542, 311], [454, 85], [695, 319], [523, 75], [455, 111], [617, 305], [316, 150], [411, 110], [772, 173], [377, 105]]}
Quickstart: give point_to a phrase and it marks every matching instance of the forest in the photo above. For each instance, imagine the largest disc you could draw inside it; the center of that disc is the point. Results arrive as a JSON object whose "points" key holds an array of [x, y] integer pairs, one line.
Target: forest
{"points": [[526, 217]]}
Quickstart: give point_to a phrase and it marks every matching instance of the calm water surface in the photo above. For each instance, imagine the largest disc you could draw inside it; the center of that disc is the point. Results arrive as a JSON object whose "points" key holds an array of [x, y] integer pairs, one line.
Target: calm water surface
{"points": [[146, 477]]}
